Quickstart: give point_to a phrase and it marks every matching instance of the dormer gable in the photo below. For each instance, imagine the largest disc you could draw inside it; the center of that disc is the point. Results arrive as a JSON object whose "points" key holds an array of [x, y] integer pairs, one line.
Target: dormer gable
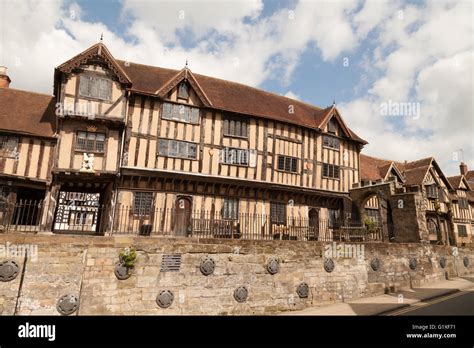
{"points": [[96, 54], [183, 84], [333, 123]]}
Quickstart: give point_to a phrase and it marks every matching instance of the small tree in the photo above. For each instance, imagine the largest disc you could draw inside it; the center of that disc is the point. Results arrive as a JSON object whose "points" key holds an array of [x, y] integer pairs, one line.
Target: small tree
{"points": [[370, 224]]}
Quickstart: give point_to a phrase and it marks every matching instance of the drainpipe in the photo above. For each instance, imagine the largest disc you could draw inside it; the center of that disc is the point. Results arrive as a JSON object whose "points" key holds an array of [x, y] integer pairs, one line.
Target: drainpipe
{"points": [[127, 94]]}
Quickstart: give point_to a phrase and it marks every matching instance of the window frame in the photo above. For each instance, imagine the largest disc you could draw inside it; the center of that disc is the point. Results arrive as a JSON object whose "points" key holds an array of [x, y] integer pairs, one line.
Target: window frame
{"points": [[177, 142], [6, 146], [432, 191], [332, 126], [145, 205], [178, 94], [462, 233], [331, 169], [278, 213], [230, 208], [230, 123], [464, 204], [100, 79], [331, 143], [87, 133], [194, 113], [226, 149], [286, 162]]}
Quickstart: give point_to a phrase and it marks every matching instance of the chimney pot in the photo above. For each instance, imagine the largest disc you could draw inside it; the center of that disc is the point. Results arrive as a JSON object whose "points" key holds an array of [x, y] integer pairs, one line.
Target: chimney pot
{"points": [[4, 78], [463, 168]]}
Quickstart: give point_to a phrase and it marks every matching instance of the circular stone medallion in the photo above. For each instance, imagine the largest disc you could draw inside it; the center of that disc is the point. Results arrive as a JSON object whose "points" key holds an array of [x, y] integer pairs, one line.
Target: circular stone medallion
{"points": [[121, 271], [329, 265], [465, 261], [241, 294], [412, 264], [67, 304], [273, 266], [375, 264], [8, 270], [302, 290], [207, 266], [165, 298], [442, 262]]}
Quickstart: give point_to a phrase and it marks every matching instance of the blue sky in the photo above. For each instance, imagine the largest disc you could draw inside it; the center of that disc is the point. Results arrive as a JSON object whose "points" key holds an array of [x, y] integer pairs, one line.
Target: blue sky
{"points": [[363, 54]]}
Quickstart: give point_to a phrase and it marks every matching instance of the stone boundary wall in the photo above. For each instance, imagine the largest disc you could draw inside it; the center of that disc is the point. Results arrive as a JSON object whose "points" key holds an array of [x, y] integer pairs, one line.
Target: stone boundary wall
{"points": [[84, 266]]}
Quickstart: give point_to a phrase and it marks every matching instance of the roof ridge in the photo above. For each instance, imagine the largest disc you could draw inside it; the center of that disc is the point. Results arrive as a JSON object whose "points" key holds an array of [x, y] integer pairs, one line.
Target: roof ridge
{"points": [[378, 158], [236, 83], [24, 91]]}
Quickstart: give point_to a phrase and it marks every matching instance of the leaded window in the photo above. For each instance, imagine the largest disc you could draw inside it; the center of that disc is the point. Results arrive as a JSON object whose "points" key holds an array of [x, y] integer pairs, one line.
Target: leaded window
{"points": [[287, 163], [90, 142], [432, 191], [179, 112], [331, 142], [230, 208], [235, 126], [97, 87], [463, 203], [183, 90], [462, 231], [278, 213], [8, 146], [176, 148], [330, 171], [142, 203], [230, 155]]}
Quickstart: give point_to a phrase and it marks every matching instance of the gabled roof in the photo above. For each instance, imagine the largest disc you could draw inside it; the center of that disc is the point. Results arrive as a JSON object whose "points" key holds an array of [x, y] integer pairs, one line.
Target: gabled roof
{"points": [[184, 75], [415, 172], [334, 113], [27, 113], [456, 181], [234, 97], [94, 52], [372, 168], [470, 175]]}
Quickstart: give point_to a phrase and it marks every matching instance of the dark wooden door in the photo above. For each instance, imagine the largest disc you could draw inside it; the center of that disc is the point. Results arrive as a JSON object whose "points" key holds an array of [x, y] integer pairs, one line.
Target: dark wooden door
{"points": [[183, 223]]}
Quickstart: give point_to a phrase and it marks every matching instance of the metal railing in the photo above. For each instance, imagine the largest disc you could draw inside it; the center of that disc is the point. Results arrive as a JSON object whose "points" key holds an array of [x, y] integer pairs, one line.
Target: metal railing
{"points": [[34, 216]]}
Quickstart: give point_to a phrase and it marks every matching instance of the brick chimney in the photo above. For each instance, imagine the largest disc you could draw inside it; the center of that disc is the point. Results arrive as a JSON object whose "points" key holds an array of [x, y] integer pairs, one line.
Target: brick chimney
{"points": [[463, 168], [4, 79]]}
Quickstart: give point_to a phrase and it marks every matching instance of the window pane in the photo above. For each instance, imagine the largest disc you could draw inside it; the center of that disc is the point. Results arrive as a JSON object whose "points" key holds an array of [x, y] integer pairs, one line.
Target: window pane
{"points": [[105, 89], [93, 86], [163, 147], [173, 148], [192, 151], [294, 165], [194, 115], [183, 90], [166, 111], [84, 86], [244, 129], [90, 136]]}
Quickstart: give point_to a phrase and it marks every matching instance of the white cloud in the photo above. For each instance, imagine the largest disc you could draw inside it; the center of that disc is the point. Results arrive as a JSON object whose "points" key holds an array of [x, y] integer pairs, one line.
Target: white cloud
{"points": [[292, 95], [423, 54], [430, 62]]}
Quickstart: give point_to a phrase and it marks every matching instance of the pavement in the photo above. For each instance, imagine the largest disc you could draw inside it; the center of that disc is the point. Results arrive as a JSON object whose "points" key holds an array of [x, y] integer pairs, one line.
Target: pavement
{"points": [[383, 304]]}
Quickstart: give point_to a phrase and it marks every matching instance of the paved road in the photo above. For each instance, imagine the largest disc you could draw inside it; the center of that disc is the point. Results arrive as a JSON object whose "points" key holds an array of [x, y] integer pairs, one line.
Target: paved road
{"points": [[460, 303]]}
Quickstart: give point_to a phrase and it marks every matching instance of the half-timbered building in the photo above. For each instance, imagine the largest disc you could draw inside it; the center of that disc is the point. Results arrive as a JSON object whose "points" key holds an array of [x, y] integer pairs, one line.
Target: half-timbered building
{"points": [[143, 140]]}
